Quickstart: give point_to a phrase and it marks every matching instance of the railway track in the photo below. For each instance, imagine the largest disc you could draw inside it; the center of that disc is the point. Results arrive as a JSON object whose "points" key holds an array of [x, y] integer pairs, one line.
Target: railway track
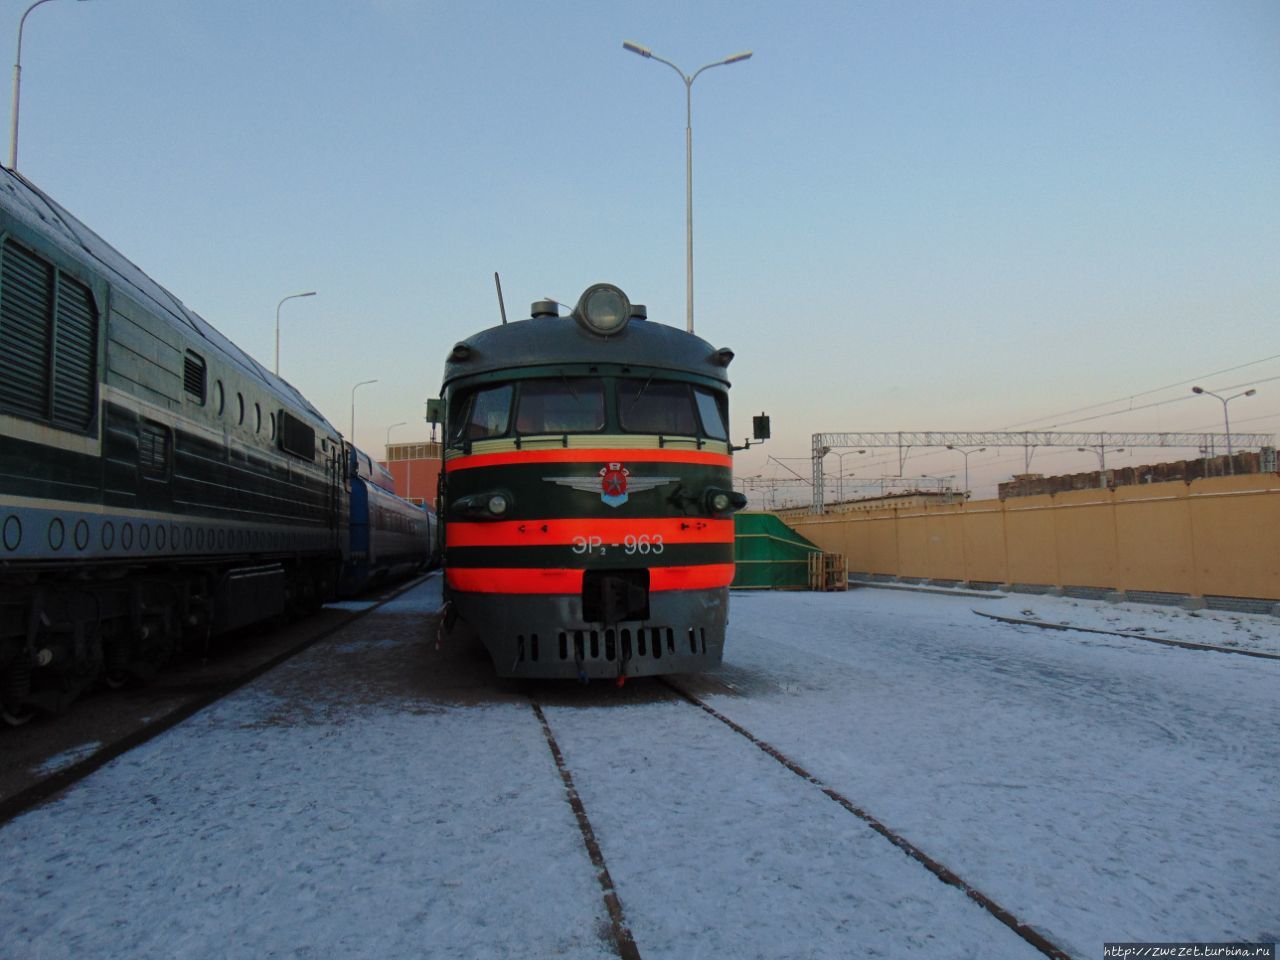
{"points": [[621, 933], [46, 758]]}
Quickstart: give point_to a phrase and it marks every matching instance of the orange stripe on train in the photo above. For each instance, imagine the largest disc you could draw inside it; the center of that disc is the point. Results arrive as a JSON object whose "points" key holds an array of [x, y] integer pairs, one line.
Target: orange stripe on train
{"points": [[611, 455], [506, 580], [551, 533]]}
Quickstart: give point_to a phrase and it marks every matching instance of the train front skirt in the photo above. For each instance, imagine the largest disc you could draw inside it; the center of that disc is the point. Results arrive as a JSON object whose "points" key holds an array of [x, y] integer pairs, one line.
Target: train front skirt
{"points": [[546, 635]]}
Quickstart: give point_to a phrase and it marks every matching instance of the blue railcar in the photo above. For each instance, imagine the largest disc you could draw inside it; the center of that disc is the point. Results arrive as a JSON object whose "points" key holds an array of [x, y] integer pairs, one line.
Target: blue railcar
{"points": [[389, 537]]}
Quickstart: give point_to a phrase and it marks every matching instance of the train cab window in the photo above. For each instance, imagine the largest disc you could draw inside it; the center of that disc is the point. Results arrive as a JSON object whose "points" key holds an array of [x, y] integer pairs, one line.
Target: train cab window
{"points": [[657, 406], [486, 413], [711, 407], [560, 406]]}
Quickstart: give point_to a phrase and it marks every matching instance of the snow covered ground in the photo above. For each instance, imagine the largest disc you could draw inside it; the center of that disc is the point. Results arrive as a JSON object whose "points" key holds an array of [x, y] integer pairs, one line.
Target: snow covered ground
{"points": [[1102, 788]]}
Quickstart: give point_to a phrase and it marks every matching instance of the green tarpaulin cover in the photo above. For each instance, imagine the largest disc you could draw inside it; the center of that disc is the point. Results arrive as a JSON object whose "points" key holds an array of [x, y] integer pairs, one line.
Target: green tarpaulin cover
{"points": [[768, 554]]}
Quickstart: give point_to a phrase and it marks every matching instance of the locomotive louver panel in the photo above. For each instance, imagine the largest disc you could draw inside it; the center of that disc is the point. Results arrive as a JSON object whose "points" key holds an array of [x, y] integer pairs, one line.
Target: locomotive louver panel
{"points": [[296, 437], [26, 296], [153, 449], [193, 371], [76, 355]]}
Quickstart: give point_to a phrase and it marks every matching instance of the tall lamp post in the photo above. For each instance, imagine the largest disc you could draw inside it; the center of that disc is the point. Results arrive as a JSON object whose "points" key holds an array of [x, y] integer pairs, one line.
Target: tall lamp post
{"points": [[840, 475], [17, 90], [965, 454], [1100, 451], [1226, 419], [292, 296], [688, 156], [389, 429], [362, 383]]}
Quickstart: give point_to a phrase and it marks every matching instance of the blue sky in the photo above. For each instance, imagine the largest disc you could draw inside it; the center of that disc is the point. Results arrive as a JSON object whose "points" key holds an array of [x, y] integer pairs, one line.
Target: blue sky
{"points": [[908, 215]]}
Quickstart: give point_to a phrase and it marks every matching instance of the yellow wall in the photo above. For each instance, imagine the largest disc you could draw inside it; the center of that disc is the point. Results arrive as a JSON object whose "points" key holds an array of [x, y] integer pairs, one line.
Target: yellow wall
{"points": [[1219, 536]]}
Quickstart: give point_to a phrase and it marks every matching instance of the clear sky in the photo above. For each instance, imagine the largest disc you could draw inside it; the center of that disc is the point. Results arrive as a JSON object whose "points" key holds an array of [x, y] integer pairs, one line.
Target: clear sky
{"points": [[908, 215]]}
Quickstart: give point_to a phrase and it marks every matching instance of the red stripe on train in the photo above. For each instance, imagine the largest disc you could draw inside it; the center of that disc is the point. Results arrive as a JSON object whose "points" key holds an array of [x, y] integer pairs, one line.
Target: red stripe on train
{"points": [[610, 455], [517, 580], [612, 533]]}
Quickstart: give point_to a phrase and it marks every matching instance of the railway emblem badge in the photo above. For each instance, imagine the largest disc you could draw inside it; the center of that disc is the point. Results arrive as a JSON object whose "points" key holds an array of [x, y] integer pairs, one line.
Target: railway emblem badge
{"points": [[613, 482]]}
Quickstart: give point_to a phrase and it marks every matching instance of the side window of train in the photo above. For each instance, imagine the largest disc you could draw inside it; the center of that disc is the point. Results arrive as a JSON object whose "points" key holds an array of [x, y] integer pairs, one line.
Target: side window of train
{"points": [[48, 342], [219, 397], [656, 406], [154, 450], [240, 409], [193, 377], [257, 418], [711, 409], [485, 413], [560, 406]]}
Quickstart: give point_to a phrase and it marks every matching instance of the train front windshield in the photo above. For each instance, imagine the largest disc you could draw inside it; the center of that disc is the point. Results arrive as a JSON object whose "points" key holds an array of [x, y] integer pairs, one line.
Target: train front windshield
{"points": [[584, 405]]}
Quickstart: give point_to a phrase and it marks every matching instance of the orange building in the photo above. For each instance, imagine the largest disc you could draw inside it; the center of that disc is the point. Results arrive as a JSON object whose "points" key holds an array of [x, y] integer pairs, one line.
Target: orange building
{"points": [[415, 467]]}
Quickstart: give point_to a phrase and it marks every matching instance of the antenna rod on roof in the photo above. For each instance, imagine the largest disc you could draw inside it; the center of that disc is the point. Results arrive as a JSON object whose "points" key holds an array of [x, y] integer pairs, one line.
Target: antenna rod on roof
{"points": [[502, 307]]}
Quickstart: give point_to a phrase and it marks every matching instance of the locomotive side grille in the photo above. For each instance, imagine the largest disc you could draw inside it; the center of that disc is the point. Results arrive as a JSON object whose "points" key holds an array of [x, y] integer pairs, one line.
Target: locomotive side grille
{"points": [[76, 356], [48, 342], [26, 297], [193, 376]]}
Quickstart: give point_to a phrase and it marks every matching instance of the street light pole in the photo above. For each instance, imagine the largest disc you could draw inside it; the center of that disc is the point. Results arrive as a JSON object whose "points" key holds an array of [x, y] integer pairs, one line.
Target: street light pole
{"points": [[840, 475], [353, 407], [388, 447], [292, 296], [17, 91], [1100, 451], [965, 454], [688, 156], [1226, 419]]}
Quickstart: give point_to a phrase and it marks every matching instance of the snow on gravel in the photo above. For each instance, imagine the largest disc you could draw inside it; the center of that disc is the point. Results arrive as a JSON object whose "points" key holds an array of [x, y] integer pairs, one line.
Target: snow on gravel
{"points": [[1102, 788]]}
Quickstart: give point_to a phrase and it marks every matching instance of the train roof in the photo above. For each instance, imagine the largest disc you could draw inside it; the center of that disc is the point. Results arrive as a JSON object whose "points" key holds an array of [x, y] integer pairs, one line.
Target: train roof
{"points": [[26, 202], [549, 340]]}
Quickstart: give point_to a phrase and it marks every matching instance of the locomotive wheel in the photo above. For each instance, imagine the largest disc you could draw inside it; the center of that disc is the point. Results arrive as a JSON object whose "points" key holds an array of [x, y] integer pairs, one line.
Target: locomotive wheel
{"points": [[18, 718]]}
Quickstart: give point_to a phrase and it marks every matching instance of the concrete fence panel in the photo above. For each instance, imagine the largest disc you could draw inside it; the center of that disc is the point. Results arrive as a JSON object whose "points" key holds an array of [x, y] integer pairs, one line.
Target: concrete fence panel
{"points": [[1217, 536]]}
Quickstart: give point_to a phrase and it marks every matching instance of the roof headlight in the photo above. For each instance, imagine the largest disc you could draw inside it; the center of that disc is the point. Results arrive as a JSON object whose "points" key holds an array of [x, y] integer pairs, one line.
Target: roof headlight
{"points": [[603, 309]]}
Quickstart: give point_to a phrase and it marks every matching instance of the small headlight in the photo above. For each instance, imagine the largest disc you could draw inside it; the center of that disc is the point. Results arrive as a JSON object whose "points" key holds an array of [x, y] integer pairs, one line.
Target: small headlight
{"points": [[497, 504], [720, 502], [603, 309]]}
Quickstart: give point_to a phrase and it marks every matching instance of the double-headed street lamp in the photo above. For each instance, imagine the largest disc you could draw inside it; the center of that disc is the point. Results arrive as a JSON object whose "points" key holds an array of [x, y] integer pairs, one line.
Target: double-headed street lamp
{"points": [[1226, 419], [965, 454], [840, 474], [292, 296], [688, 156], [17, 90], [1100, 451]]}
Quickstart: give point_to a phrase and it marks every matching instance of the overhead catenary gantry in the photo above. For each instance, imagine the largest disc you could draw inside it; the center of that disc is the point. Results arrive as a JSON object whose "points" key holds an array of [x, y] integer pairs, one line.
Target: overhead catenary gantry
{"points": [[1029, 440]]}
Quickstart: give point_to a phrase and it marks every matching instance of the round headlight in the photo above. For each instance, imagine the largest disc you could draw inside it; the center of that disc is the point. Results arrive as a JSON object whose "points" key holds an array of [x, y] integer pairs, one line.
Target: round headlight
{"points": [[603, 309], [497, 504], [720, 502]]}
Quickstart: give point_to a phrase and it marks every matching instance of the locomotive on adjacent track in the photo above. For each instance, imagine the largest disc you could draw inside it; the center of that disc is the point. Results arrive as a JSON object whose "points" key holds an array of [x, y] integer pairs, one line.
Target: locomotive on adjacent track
{"points": [[158, 486], [586, 495]]}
